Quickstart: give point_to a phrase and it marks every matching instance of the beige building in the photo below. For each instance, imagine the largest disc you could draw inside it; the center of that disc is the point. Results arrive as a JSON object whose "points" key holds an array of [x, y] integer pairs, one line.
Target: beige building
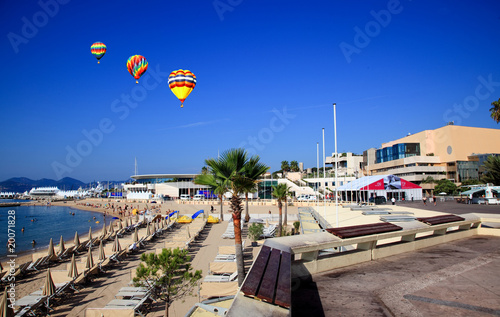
{"points": [[349, 164], [450, 152]]}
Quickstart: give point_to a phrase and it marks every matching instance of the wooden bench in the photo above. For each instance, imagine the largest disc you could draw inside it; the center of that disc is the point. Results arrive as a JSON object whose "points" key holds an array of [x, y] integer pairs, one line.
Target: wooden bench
{"points": [[436, 220], [270, 277], [363, 230]]}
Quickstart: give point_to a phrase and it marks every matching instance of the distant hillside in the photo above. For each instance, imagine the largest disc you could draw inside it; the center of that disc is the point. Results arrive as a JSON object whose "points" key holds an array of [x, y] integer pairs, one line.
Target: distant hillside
{"points": [[22, 184]]}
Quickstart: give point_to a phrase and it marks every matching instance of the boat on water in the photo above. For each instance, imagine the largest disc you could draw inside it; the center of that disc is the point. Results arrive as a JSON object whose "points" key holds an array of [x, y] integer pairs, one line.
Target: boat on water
{"points": [[54, 191]]}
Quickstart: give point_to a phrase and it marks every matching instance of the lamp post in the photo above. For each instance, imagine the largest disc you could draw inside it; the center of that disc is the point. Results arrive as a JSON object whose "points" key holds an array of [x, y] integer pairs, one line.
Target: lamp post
{"points": [[324, 176], [336, 162]]}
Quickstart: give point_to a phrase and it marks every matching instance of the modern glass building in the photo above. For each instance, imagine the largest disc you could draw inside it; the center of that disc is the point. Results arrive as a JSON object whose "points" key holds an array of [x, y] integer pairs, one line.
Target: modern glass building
{"points": [[397, 151]]}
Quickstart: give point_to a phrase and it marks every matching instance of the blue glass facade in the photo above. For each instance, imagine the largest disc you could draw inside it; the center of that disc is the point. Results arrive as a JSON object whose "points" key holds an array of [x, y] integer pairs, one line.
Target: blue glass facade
{"points": [[397, 151]]}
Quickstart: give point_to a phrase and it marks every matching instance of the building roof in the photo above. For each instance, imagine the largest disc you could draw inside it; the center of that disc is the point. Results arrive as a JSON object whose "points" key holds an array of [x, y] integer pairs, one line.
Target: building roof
{"points": [[379, 182], [155, 176]]}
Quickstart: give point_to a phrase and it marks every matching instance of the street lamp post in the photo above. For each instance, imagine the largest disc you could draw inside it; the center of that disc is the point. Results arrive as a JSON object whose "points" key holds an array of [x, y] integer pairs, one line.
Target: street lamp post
{"points": [[336, 163]]}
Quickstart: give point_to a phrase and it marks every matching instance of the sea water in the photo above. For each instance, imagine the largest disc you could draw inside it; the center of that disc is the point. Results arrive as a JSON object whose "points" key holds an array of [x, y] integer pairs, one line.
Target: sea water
{"points": [[41, 223]]}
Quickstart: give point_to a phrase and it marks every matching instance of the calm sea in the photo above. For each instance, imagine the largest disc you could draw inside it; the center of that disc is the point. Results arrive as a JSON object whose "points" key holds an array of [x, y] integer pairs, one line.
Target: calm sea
{"points": [[50, 222]]}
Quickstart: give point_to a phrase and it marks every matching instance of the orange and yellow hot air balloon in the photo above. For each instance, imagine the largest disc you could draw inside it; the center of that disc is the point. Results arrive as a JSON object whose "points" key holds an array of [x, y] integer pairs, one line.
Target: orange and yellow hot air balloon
{"points": [[181, 82], [137, 66]]}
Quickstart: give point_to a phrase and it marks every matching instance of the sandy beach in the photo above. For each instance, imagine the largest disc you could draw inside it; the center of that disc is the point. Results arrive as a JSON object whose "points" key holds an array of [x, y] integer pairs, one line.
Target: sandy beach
{"points": [[102, 289]]}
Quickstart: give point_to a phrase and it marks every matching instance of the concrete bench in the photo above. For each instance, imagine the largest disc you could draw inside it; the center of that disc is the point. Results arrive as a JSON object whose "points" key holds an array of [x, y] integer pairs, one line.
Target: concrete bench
{"points": [[270, 277], [436, 220], [363, 230]]}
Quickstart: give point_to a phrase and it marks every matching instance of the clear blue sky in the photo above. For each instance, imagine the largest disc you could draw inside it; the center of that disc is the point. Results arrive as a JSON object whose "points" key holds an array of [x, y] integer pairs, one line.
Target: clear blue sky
{"points": [[268, 73]]}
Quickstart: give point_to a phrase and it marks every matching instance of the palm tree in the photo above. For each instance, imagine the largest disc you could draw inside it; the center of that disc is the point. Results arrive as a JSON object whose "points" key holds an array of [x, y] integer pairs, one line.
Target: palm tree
{"points": [[495, 110], [285, 167], [253, 171], [492, 174], [294, 166], [280, 191], [230, 168]]}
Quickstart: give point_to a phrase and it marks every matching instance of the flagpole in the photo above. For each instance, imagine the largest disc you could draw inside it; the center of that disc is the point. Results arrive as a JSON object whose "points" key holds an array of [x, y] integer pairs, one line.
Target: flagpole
{"points": [[317, 176], [336, 162], [324, 177]]}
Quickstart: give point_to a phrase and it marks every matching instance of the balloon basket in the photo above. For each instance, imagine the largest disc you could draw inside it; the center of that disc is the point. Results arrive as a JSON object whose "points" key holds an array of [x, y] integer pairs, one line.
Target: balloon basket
{"points": [[136, 81]]}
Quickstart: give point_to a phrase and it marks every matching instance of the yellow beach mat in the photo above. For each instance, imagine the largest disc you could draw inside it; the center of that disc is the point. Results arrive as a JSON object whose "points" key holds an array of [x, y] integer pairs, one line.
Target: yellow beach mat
{"points": [[208, 290], [185, 219], [222, 267], [109, 312], [212, 219]]}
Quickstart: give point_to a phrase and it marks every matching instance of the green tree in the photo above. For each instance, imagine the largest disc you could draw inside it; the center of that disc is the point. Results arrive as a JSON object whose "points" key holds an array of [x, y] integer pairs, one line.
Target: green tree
{"points": [[285, 167], [294, 166], [492, 174], [253, 171], [444, 185], [169, 273], [204, 170], [218, 185], [428, 180], [495, 110], [281, 192], [231, 168], [467, 182]]}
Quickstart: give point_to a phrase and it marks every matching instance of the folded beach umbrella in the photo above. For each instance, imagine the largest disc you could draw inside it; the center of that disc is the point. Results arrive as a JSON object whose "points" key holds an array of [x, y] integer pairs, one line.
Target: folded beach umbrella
{"points": [[51, 248], [48, 288], [148, 230], [111, 228], [104, 232], [1, 267], [120, 225], [90, 261], [90, 233], [61, 245], [77, 240], [136, 218], [73, 270], [5, 309], [188, 234], [116, 245], [136, 236], [102, 256]]}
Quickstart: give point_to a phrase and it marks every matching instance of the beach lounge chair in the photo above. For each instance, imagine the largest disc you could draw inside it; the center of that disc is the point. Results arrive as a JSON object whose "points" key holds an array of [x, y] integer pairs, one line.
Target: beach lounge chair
{"points": [[222, 267], [221, 278], [140, 306], [111, 312], [21, 270], [67, 253], [30, 305], [214, 289], [225, 258]]}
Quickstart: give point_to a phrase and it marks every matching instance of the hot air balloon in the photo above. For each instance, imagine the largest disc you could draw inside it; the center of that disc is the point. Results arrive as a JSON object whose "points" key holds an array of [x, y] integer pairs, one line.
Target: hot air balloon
{"points": [[98, 49], [137, 66], [181, 82]]}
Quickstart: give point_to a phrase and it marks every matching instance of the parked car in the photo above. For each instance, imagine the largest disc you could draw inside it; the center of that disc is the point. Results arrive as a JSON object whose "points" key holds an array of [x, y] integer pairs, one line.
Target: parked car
{"points": [[185, 197], [303, 198], [312, 198], [198, 197], [378, 200]]}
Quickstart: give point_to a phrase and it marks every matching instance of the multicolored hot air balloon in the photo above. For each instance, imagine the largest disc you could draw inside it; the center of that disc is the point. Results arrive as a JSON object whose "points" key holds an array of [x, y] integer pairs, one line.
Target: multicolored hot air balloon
{"points": [[181, 82], [98, 49], [137, 66]]}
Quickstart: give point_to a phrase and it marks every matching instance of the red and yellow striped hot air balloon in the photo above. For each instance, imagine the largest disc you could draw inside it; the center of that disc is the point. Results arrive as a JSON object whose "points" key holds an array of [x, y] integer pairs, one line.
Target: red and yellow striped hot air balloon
{"points": [[181, 82], [98, 49], [137, 66]]}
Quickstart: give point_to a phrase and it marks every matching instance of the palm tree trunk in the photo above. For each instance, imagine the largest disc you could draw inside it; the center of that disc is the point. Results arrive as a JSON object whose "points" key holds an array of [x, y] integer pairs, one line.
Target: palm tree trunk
{"points": [[240, 265], [166, 309], [221, 211], [286, 213], [247, 215], [280, 207]]}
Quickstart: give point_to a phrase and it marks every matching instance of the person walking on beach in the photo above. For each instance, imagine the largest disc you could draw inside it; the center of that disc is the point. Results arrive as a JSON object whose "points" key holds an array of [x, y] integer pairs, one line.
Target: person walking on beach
{"points": [[393, 200], [424, 200], [434, 200]]}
